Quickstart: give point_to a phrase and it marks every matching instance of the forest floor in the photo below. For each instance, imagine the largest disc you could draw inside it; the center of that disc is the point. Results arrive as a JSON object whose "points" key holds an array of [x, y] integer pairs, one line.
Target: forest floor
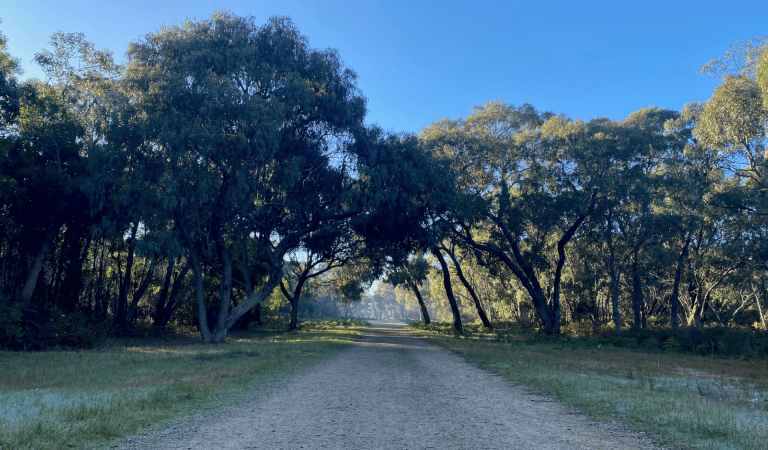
{"points": [[392, 389]]}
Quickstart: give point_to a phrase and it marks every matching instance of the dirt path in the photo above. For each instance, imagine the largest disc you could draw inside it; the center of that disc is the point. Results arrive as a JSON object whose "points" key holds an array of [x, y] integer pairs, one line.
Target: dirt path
{"points": [[392, 390]]}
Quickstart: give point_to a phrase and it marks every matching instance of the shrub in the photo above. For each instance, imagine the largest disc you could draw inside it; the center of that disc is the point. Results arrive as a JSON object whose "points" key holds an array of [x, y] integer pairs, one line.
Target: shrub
{"points": [[672, 346], [651, 344], [10, 323]]}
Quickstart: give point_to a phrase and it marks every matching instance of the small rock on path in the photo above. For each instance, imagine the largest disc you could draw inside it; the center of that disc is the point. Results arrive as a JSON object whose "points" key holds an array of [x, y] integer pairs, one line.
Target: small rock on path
{"points": [[394, 390]]}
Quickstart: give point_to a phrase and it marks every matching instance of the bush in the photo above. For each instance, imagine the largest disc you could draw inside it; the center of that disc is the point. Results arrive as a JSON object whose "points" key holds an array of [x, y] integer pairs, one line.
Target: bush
{"points": [[718, 341], [10, 323], [626, 342], [672, 346], [651, 344]]}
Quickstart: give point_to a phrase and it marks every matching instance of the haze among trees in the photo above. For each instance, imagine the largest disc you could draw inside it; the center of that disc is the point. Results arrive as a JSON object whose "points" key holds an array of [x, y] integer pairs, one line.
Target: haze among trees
{"points": [[226, 168]]}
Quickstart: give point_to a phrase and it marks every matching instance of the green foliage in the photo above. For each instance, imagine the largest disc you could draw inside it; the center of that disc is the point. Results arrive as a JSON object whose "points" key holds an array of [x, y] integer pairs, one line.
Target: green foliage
{"points": [[651, 344], [762, 76], [716, 341], [11, 327], [9, 69]]}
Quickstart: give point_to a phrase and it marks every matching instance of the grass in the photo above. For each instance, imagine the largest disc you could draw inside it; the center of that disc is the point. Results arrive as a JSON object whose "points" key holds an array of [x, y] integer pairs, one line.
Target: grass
{"points": [[688, 401], [91, 398]]}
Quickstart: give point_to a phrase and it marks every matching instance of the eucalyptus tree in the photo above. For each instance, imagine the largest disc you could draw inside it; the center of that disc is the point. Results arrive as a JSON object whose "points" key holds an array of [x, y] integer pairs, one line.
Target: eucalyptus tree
{"points": [[252, 126], [734, 122], [525, 175], [411, 274], [9, 69], [733, 126], [451, 251], [47, 167], [45, 137], [9, 108], [122, 175], [320, 252], [260, 138]]}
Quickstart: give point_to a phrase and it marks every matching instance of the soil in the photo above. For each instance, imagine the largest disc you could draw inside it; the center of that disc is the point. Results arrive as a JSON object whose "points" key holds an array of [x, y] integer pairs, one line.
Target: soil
{"points": [[394, 390]]}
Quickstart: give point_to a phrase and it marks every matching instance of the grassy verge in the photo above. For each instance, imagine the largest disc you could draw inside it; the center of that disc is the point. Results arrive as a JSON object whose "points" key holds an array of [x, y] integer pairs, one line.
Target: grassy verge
{"points": [[697, 402], [89, 398]]}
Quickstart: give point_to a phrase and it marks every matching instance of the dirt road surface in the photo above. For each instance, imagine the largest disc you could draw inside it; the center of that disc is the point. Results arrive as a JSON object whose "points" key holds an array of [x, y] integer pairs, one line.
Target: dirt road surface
{"points": [[394, 390]]}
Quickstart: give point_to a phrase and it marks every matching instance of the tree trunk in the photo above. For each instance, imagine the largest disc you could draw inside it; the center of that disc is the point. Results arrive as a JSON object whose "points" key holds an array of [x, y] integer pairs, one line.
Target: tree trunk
{"points": [[125, 286], [139, 293], [225, 291], [675, 299], [245, 268], [174, 298], [449, 291], [525, 274], [162, 298], [480, 311], [293, 299], [422, 305], [757, 300], [638, 302], [202, 313], [37, 267], [72, 285], [275, 275], [614, 275], [564, 240]]}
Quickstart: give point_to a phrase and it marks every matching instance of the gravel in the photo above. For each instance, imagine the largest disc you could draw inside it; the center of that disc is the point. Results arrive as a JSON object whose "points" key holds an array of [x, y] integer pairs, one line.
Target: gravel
{"points": [[394, 390]]}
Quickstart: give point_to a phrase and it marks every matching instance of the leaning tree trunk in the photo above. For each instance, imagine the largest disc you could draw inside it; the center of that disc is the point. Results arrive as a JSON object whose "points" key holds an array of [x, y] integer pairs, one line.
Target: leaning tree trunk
{"points": [[524, 273], [37, 267], [140, 293], [422, 305], [471, 290], [162, 298], [449, 291], [168, 306]]}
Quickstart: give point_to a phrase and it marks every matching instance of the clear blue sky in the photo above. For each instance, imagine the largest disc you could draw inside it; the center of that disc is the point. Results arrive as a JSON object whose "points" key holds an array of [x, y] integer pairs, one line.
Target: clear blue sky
{"points": [[420, 61]]}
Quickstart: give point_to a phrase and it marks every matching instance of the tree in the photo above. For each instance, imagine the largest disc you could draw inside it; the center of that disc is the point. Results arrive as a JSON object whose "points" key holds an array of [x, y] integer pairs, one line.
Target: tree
{"points": [[520, 173], [411, 273], [9, 69], [451, 251], [250, 120], [321, 251]]}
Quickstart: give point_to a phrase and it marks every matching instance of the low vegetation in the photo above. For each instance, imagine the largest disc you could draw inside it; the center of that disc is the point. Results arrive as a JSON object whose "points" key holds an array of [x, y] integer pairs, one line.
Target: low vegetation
{"points": [[86, 398], [686, 400]]}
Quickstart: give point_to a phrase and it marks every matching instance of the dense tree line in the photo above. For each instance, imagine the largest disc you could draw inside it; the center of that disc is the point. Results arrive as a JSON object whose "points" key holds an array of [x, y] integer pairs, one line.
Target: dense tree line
{"points": [[660, 217], [225, 159], [226, 166]]}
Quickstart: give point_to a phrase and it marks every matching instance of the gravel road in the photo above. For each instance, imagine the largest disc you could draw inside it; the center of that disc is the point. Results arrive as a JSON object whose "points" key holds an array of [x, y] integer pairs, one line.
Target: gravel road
{"points": [[394, 390]]}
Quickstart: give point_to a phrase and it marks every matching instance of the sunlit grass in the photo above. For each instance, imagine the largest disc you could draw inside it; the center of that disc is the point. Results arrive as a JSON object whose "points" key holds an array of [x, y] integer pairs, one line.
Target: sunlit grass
{"points": [[690, 401], [84, 399]]}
